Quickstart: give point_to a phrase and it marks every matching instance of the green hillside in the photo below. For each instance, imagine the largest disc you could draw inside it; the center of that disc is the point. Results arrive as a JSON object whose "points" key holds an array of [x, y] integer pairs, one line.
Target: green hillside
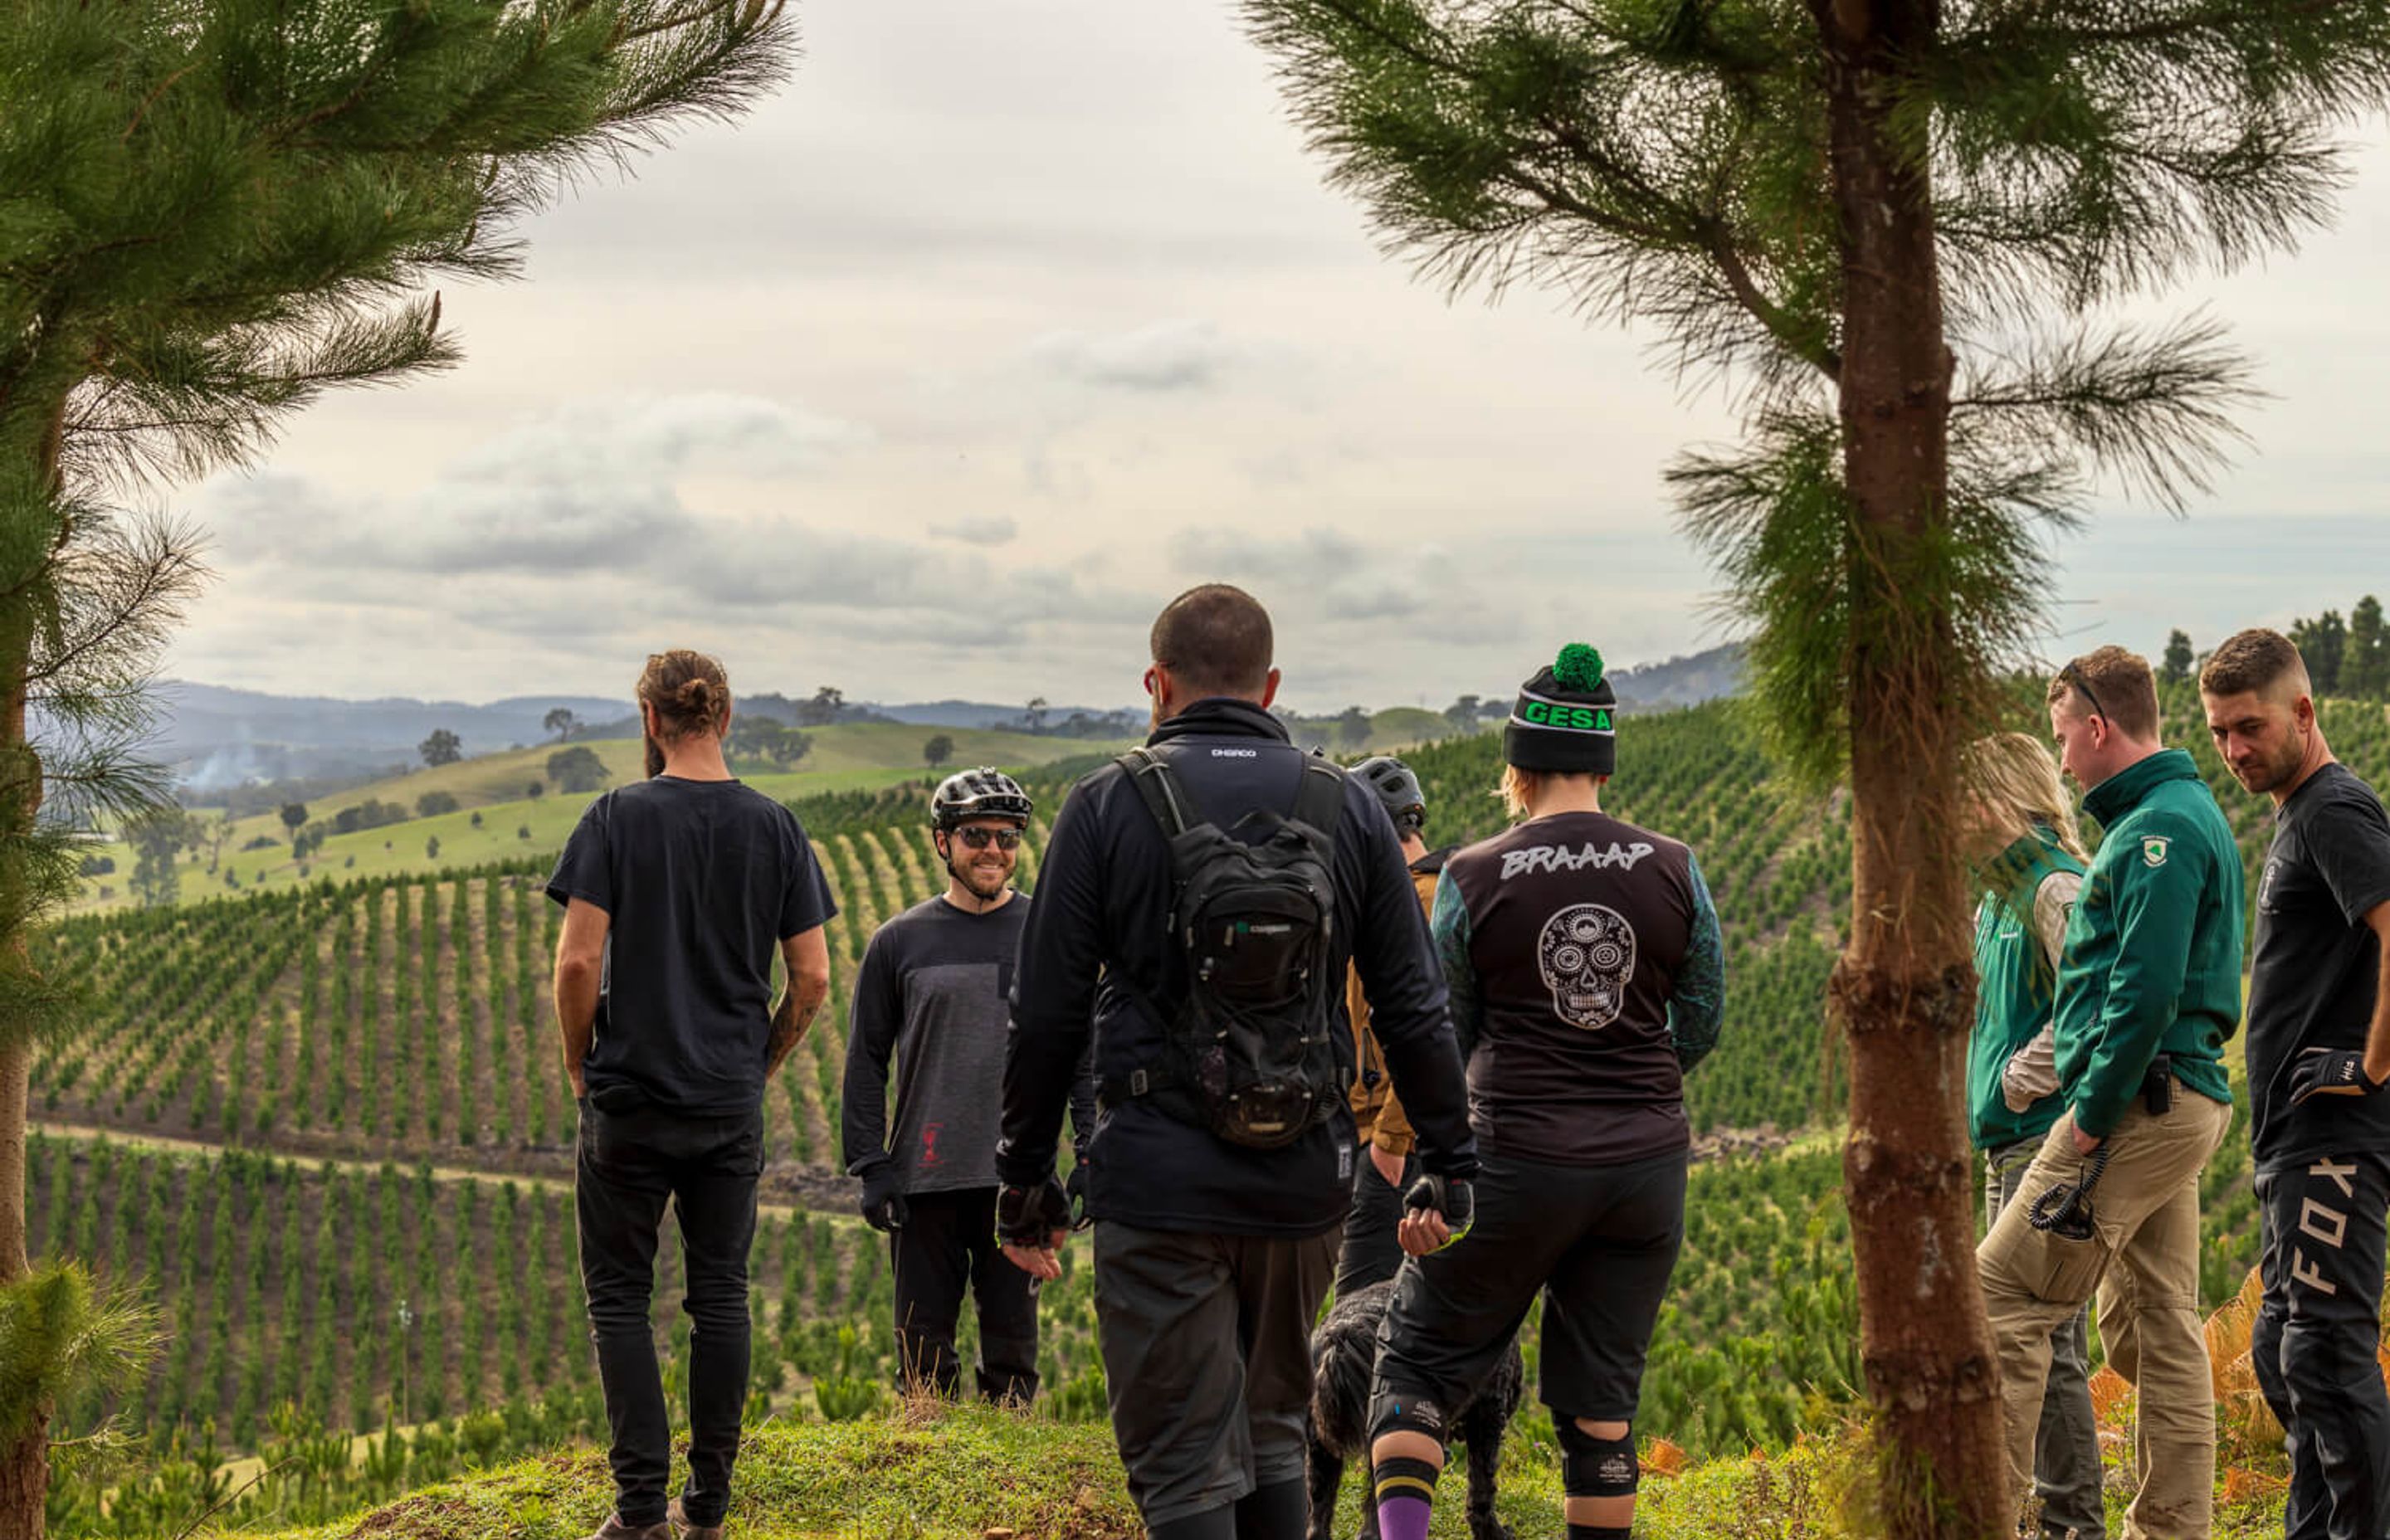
{"points": [[337, 1049], [497, 820]]}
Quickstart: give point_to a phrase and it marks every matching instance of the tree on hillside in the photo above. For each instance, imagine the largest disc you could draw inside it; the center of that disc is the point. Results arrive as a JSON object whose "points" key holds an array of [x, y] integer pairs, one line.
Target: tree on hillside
{"points": [[294, 817], [2321, 642], [2175, 666], [1892, 225], [560, 721], [577, 769], [1032, 716], [441, 748], [937, 750], [433, 805], [2365, 667], [822, 708], [218, 210], [1353, 729], [1462, 713], [157, 836]]}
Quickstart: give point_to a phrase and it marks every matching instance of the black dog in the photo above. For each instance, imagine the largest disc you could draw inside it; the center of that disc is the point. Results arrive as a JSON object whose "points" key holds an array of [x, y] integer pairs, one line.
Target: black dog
{"points": [[1343, 1351]]}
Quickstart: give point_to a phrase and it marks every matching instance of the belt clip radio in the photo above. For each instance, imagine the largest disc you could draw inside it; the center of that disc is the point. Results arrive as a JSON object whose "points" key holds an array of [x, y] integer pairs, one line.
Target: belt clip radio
{"points": [[2157, 1086]]}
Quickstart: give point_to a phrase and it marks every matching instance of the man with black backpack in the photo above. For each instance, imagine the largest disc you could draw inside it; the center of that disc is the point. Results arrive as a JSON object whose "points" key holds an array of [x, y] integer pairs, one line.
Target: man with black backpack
{"points": [[1198, 905]]}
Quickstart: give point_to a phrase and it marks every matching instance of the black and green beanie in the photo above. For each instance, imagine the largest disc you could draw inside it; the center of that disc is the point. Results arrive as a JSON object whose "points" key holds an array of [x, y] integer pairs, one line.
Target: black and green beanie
{"points": [[1565, 722]]}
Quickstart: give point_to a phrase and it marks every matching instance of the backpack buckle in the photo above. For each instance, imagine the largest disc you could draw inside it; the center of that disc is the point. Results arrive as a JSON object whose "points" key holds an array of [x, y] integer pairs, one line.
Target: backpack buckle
{"points": [[1138, 1082]]}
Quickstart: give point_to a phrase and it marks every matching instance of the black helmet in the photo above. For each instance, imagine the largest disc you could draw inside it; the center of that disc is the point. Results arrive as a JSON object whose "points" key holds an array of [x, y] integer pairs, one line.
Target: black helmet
{"points": [[1396, 786], [981, 793]]}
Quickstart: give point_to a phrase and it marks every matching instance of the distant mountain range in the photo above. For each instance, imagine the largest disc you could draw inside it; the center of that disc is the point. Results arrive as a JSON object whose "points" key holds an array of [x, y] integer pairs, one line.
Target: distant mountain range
{"points": [[217, 738]]}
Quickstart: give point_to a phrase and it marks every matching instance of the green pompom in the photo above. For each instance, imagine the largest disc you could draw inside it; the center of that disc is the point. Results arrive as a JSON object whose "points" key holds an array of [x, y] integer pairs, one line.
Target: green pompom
{"points": [[1578, 667]]}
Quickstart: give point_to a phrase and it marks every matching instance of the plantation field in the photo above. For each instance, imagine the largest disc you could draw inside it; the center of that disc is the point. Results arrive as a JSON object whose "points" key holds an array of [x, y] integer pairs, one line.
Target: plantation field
{"points": [[401, 1021]]}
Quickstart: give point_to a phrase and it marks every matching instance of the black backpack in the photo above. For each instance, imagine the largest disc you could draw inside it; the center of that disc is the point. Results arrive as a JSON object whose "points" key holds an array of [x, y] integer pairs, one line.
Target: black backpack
{"points": [[1252, 1047]]}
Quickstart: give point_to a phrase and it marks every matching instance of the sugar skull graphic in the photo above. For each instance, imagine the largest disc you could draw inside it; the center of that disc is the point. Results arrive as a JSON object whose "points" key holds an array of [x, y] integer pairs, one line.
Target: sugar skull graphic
{"points": [[1588, 954]]}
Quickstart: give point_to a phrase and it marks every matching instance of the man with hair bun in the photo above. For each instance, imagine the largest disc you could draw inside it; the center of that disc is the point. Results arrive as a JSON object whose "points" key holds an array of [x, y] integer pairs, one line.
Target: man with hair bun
{"points": [[2149, 987], [678, 890], [2319, 1055]]}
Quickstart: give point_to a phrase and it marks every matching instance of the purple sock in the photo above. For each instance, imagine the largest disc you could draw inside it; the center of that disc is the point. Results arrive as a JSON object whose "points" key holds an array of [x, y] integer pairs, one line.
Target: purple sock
{"points": [[1403, 1518], [1405, 1497]]}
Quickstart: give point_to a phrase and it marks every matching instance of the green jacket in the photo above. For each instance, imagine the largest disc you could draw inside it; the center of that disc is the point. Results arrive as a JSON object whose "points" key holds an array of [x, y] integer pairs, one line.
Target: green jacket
{"points": [[2015, 986], [2153, 953]]}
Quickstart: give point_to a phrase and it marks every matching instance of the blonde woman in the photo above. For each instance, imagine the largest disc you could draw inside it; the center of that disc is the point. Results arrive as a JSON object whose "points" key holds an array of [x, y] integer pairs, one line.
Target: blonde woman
{"points": [[2030, 858]]}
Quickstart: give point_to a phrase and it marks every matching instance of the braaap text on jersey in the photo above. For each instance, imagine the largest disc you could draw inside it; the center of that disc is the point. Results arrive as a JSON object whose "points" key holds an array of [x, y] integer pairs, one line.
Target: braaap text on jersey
{"points": [[1550, 858]]}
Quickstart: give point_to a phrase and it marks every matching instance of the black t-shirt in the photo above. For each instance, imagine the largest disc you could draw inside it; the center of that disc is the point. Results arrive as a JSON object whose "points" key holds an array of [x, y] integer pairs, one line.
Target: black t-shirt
{"points": [[703, 880], [2312, 972]]}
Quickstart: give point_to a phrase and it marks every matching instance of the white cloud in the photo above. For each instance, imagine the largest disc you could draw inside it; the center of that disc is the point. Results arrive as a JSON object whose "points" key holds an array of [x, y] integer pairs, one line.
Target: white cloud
{"points": [[1167, 356], [987, 530]]}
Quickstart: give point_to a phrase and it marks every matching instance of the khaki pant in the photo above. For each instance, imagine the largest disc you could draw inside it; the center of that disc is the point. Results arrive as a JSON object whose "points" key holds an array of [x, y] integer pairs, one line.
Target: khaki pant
{"points": [[2146, 1223]]}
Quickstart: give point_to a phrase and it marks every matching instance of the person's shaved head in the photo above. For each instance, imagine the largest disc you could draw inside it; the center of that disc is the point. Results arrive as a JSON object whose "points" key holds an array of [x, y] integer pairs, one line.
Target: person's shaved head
{"points": [[2257, 661], [1216, 640]]}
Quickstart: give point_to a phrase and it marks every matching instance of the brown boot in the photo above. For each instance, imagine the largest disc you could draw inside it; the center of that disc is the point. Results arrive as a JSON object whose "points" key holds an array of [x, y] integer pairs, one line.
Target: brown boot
{"points": [[614, 1529], [679, 1519]]}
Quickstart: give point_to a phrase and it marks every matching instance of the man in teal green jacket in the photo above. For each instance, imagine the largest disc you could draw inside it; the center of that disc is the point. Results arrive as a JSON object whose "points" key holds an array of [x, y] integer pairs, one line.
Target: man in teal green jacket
{"points": [[2149, 990]]}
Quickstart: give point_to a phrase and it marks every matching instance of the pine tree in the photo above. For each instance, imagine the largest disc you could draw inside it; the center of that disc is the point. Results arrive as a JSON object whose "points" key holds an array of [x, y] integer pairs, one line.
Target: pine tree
{"points": [[2175, 666], [216, 211], [2321, 642], [2365, 668], [1894, 227]]}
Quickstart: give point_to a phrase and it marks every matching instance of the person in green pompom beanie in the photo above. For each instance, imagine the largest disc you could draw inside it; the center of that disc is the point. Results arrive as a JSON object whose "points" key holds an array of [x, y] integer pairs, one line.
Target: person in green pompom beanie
{"points": [[1584, 961], [1566, 720]]}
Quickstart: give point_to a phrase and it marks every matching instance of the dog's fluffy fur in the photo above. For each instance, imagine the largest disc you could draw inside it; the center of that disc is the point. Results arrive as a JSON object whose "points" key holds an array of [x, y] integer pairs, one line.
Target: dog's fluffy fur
{"points": [[1344, 1353]]}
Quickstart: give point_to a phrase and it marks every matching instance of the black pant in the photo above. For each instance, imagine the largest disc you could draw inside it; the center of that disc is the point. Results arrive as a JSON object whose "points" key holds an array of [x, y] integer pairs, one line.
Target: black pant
{"points": [[1372, 1252], [2313, 1345], [948, 1241], [628, 1165]]}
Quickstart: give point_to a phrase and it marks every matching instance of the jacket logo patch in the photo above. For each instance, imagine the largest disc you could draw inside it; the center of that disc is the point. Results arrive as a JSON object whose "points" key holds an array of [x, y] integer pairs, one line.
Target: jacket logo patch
{"points": [[1586, 954], [2153, 850]]}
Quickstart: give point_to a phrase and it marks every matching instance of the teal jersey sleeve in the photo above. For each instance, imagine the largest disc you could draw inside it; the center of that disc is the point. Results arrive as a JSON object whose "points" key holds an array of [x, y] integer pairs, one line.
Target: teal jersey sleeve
{"points": [[1448, 922], [1697, 1008]]}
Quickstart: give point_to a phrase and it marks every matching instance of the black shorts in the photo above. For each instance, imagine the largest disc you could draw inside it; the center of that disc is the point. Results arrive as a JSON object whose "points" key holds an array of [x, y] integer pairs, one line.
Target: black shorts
{"points": [[1207, 1360], [1600, 1242]]}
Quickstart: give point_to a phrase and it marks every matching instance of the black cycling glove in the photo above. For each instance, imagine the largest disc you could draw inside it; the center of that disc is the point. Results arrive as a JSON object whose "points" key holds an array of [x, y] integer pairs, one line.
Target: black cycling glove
{"points": [[1029, 1216], [883, 1197], [1448, 1196], [2331, 1073]]}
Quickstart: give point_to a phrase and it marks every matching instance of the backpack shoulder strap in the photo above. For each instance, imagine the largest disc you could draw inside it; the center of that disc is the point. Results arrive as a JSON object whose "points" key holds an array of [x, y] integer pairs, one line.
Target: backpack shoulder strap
{"points": [[1319, 798], [1149, 772]]}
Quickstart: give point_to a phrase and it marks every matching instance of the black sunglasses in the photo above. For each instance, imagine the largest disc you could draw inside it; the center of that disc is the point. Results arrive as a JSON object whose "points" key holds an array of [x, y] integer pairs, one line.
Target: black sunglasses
{"points": [[978, 839], [2073, 676]]}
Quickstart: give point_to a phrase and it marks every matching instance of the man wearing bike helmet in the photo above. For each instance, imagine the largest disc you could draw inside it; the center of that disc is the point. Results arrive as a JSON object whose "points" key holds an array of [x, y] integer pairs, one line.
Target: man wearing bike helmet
{"points": [[1372, 1251], [932, 993]]}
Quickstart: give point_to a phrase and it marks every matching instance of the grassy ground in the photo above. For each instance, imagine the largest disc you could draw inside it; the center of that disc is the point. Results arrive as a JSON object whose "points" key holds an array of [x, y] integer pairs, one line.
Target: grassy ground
{"points": [[973, 1474], [854, 756]]}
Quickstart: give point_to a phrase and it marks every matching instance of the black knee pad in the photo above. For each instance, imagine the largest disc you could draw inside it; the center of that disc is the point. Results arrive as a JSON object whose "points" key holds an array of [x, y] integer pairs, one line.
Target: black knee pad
{"points": [[1594, 1466], [1400, 1409]]}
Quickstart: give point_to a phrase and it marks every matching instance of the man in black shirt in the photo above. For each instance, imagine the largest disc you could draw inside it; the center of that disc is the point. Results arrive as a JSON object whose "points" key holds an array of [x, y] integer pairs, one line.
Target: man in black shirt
{"points": [[1212, 1256], [678, 892], [2318, 1052], [932, 993]]}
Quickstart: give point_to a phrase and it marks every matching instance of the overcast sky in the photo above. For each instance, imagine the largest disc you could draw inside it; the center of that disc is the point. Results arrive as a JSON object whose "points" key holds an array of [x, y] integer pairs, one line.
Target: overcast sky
{"points": [[935, 375]]}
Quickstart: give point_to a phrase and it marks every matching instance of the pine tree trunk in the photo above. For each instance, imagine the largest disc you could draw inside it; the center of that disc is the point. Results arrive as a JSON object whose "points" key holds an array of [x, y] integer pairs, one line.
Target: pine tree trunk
{"points": [[1904, 988], [25, 1464]]}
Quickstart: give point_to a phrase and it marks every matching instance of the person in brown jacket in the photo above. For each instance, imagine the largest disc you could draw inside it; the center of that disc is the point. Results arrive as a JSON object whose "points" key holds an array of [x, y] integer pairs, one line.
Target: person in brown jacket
{"points": [[1371, 1251]]}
